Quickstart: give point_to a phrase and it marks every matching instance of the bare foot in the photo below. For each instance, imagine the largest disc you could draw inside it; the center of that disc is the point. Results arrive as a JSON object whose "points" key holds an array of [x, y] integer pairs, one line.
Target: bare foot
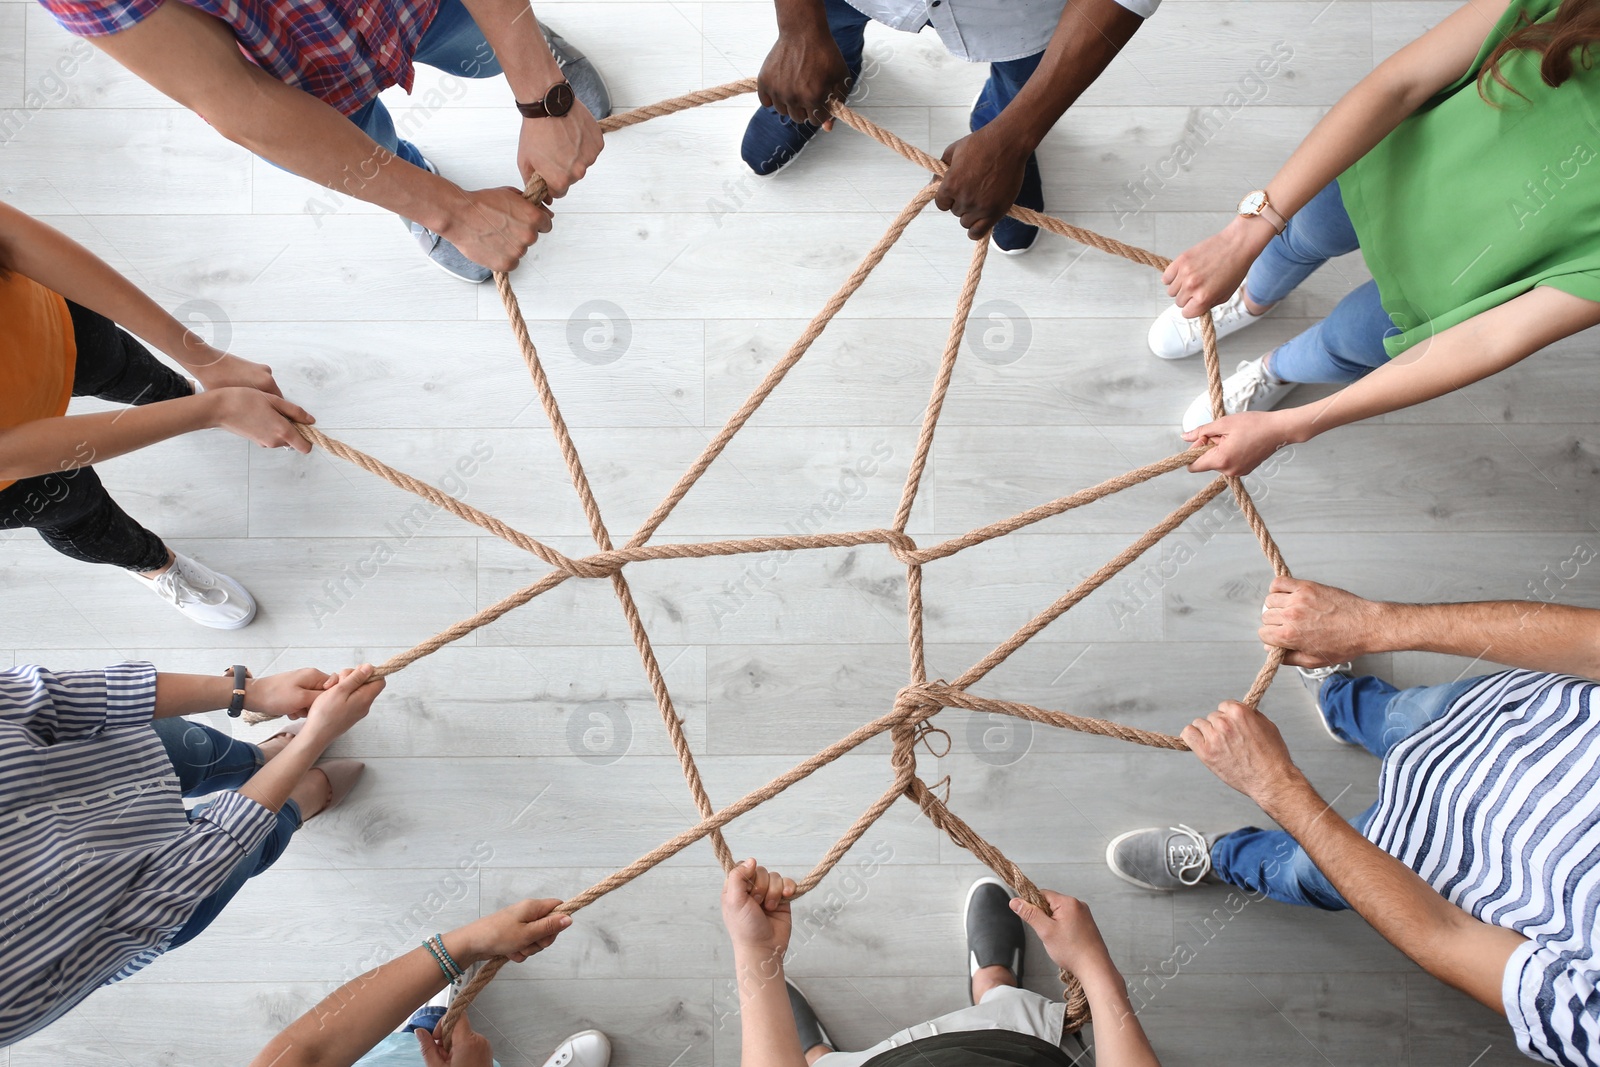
{"points": [[816, 1052]]}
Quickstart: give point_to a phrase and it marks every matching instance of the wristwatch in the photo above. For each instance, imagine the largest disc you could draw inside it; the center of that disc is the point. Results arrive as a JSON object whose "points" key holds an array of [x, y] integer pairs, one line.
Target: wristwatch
{"points": [[556, 102], [1255, 203], [240, 672]]}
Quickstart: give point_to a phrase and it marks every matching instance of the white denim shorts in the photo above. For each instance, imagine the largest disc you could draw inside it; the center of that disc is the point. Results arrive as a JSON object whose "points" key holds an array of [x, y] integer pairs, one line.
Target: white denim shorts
{"points": [[1002, 1008]]}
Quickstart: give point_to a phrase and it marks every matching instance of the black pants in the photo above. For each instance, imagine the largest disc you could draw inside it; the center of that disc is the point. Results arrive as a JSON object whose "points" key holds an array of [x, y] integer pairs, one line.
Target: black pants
{"points": [[71, 509]]}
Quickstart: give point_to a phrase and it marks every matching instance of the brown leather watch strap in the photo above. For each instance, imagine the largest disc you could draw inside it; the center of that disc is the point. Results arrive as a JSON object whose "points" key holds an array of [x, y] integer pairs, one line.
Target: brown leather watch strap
{"points": [[557, 101]]}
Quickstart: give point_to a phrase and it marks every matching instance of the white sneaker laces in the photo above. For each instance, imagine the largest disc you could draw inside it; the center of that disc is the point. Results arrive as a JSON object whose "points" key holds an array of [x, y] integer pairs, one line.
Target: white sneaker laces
{"points": [[1188, 858], [177, 589], [1243, 386], [1222, 315]]}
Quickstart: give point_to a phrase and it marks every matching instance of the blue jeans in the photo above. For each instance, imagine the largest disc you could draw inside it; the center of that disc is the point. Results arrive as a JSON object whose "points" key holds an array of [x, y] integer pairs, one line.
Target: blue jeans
{"points": [[1373, 714], [209, 761], [1349, 342], [454, 44], [424, 1018], [849, 26]]}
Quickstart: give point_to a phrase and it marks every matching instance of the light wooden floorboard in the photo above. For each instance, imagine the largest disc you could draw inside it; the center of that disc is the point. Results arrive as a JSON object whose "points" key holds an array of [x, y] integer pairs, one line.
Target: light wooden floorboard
{"points": [[530, 759]]}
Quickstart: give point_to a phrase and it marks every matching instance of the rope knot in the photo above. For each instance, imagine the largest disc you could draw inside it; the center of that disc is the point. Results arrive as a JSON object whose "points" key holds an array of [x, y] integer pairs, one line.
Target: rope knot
{"points": [[599, 565], [901, 547]]}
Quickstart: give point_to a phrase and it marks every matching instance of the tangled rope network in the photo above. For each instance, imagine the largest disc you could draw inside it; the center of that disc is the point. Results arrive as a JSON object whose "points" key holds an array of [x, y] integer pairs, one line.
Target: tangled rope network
{"points": [[907, 723]]}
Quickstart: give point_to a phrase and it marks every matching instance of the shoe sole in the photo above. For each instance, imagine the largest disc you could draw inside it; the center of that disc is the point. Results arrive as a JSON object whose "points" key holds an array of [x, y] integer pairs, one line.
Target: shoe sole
{"points": [[1011, 251], [790, 161], [427, 165], [460, 278], [1328, 729], [241, 624], [1322, 716], [1111, 861]]}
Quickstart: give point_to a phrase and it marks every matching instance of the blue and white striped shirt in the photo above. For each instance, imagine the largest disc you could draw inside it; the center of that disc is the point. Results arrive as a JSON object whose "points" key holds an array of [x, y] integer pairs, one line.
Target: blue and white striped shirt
{"points": [[1497, 805], [99, 865]]}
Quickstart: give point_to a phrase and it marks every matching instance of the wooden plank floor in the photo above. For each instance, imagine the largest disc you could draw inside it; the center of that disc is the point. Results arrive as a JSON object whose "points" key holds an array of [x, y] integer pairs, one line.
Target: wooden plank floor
{"points": [[702, 274]]}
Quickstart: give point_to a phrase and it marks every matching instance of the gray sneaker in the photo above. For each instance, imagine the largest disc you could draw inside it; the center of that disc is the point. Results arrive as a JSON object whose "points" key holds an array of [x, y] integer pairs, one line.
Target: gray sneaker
{"points": [[806, 1023], [994, 932], [587, 85], [1312, 678], [444, 255], [1177, 857]]}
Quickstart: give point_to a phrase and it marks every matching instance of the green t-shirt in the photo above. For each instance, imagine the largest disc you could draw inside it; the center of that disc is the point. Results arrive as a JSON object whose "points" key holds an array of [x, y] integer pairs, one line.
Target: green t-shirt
{"points": [[1466, 206]]}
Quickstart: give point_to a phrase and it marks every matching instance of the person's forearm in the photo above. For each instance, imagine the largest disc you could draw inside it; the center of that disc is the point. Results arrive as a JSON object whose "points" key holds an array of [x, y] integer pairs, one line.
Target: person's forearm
{"points": [[191, 694], [57, 262], [1088, 37], [1119, 1039], [512, 30], [1453, 359], [356, 1016], [1465, 353], [1518, 633], [802, 17], [1352, 127], [194, 58], [46, 446], [768, 1037], [1381, 101], [303, 135], [1391, 897], [271, 785]]}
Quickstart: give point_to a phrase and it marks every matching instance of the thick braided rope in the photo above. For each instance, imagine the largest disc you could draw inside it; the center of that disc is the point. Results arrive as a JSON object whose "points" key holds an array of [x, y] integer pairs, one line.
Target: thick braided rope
{"points": [[619, 584], [920, 700]]}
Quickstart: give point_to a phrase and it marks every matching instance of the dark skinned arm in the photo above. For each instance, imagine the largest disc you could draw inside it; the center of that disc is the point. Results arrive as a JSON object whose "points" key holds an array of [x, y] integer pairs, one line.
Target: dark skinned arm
{"points": [[986, 167], [805, 71]]}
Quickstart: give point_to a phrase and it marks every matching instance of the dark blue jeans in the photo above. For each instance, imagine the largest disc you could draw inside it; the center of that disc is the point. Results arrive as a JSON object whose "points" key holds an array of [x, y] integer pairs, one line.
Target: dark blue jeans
{"points": [[849, 26], [1373, 714], [209, 761], [452, 43], [1346, 345]]}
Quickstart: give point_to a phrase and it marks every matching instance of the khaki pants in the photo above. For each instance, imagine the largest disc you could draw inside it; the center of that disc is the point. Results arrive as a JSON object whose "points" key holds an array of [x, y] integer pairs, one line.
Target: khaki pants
{"points": [[1002, 1008]]}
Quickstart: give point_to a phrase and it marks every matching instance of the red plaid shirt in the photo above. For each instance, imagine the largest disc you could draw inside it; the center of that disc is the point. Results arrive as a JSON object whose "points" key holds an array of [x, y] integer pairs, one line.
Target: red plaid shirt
{"points": [[342, 52]]}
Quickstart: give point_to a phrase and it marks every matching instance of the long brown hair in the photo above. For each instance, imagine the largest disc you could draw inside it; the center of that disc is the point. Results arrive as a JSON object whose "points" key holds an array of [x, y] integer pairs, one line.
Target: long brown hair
{"points": [[1574, 30]]}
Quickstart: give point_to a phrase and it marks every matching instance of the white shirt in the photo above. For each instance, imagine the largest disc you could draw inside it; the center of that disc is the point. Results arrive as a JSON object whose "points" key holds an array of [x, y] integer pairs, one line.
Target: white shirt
{"points": [[1497, 805], [983, 31]]}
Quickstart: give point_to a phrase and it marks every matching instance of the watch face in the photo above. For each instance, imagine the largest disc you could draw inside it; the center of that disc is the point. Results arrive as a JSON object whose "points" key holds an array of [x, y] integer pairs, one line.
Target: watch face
{"points": [[558, 101], [1253, 202]]}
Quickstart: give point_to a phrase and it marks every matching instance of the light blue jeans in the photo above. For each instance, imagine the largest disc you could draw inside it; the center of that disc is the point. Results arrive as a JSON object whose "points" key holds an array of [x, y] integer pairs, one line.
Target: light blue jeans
{"points": [[1349, 342], [1373, 714], [454, 44]]}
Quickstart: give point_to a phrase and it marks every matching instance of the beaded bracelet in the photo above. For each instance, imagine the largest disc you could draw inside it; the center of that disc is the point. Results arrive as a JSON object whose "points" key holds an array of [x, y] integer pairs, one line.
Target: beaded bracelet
{"points": [[443, 966], [438, 940]]}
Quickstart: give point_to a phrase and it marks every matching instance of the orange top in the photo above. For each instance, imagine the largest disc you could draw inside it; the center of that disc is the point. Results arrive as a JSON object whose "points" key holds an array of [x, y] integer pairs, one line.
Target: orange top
{"points": [[37, 353]]}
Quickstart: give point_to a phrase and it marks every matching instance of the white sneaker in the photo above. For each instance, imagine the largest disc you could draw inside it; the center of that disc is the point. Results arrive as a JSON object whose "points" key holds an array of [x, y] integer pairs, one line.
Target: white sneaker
{"points": [[1312, 678], [209, 598], [586, 1048], [1174, 337], [1250, 388]]}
